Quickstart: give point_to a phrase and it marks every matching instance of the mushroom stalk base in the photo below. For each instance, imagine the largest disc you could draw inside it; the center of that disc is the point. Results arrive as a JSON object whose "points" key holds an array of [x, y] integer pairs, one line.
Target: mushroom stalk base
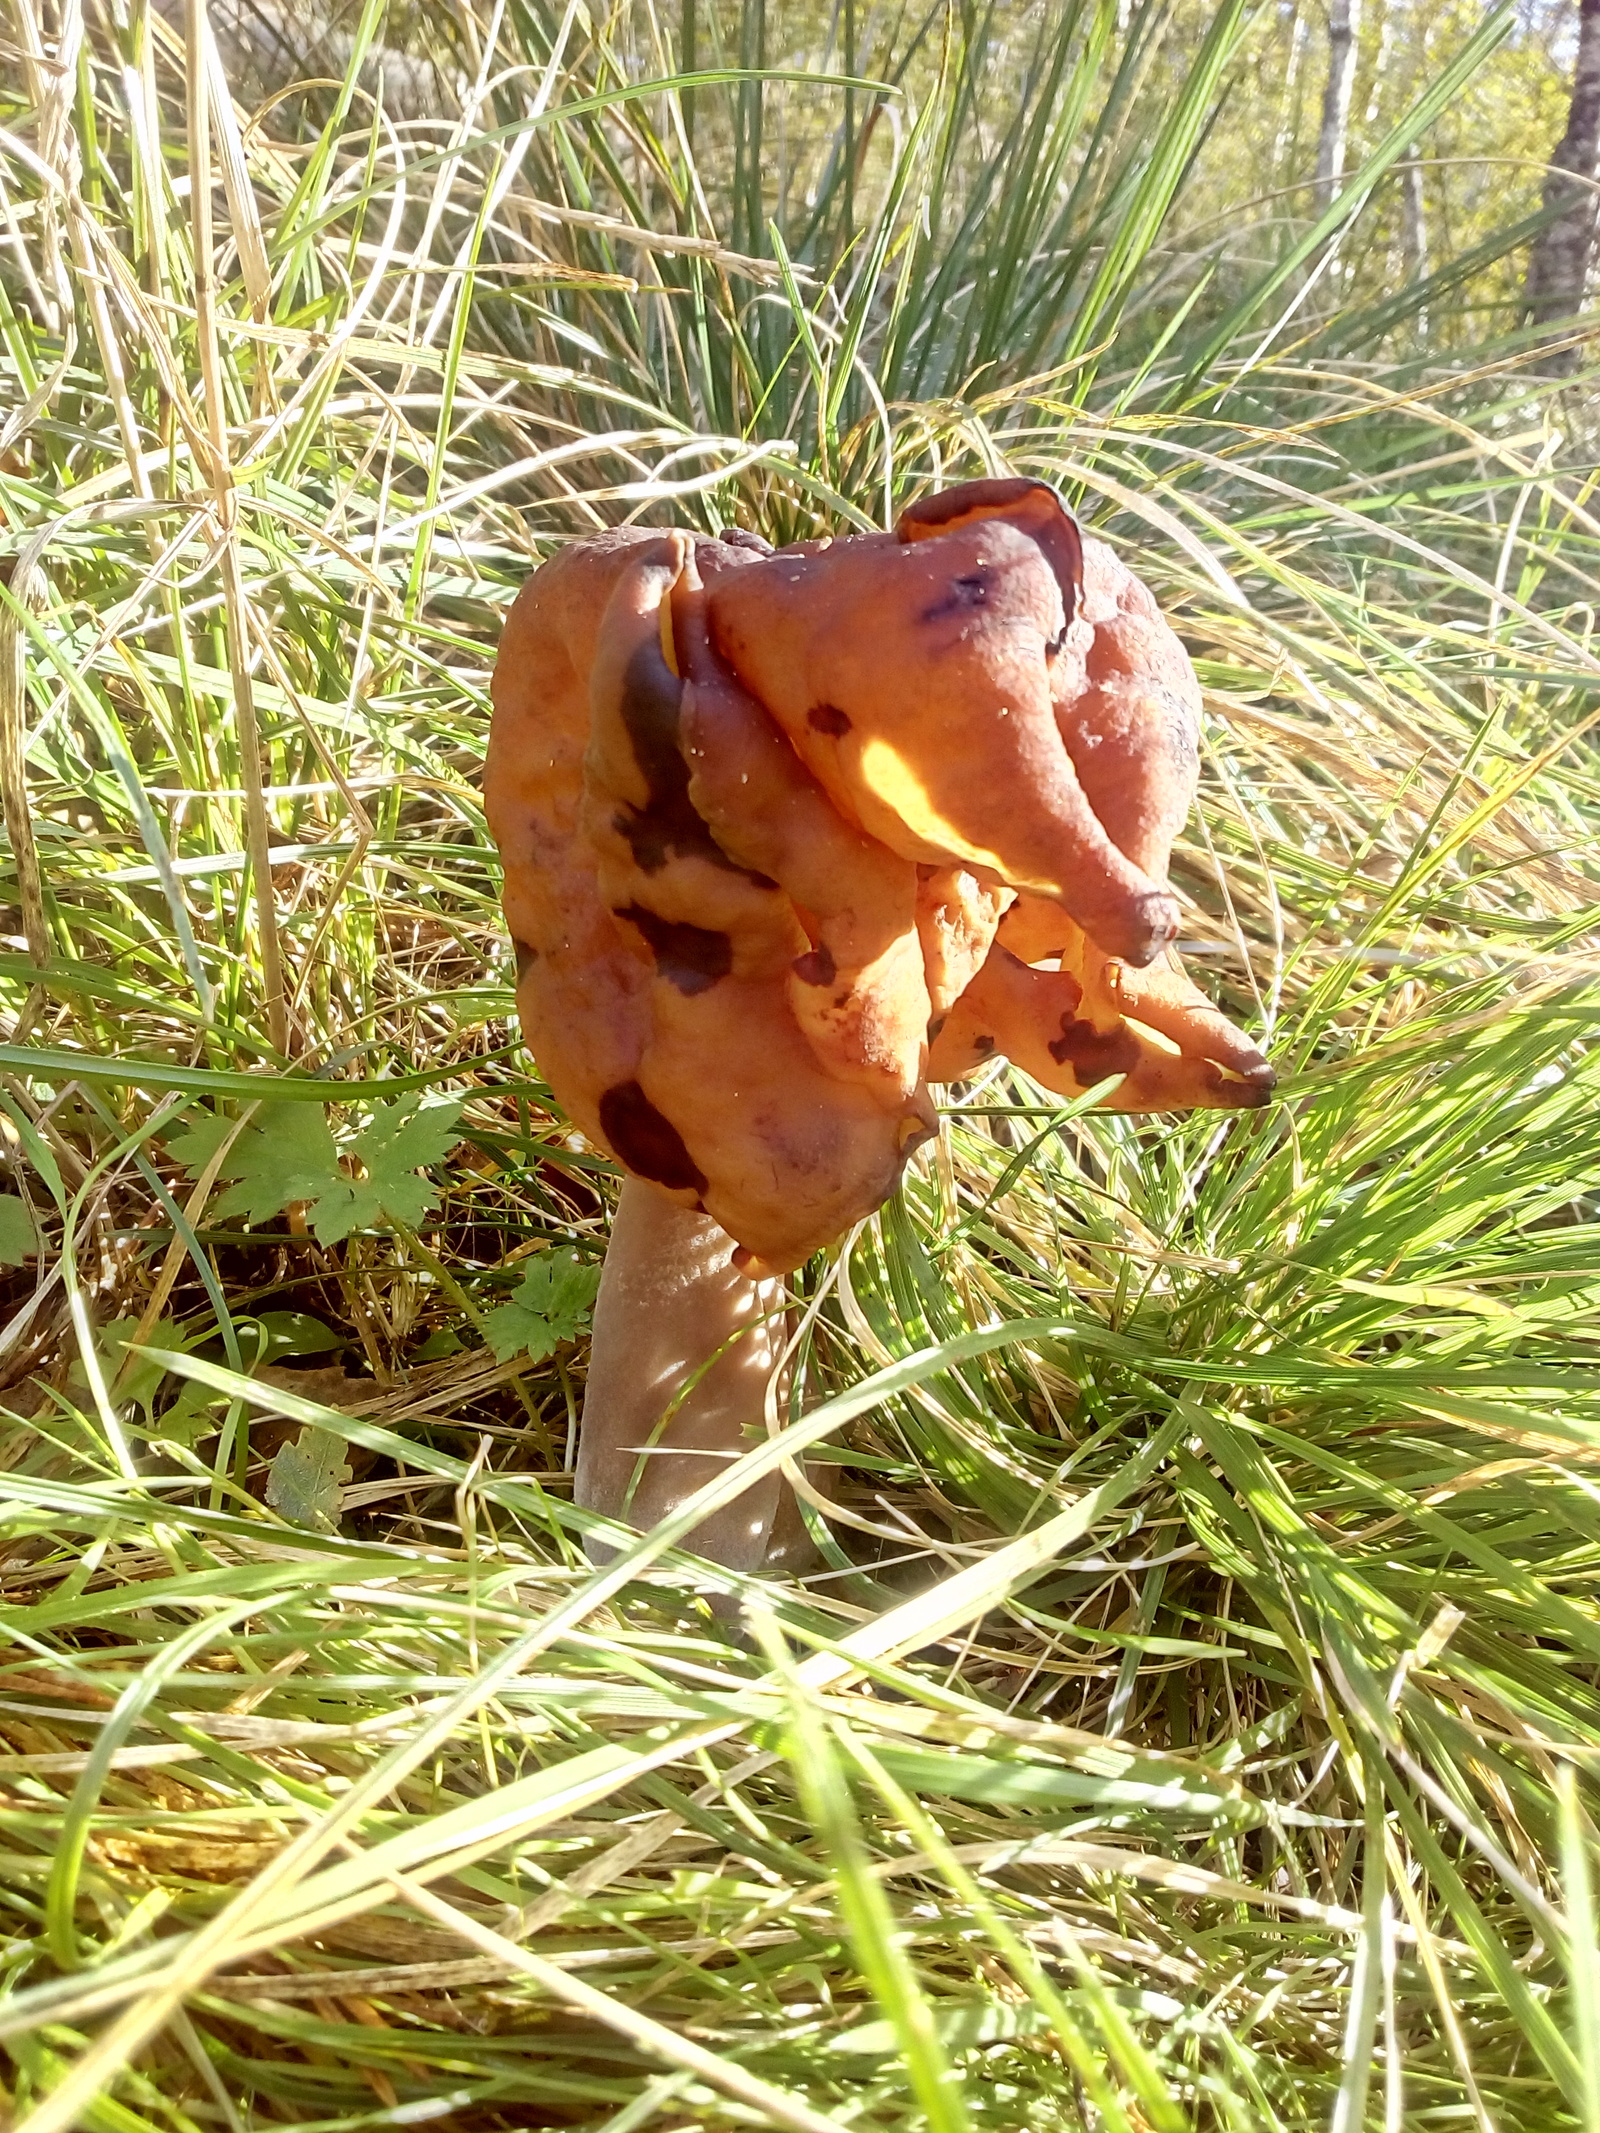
{"points": [[671, 1299]]}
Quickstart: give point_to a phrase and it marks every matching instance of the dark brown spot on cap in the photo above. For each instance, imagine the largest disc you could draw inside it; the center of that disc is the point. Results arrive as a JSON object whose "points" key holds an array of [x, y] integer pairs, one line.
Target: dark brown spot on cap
{"points": [[968, 591], [666, 827], [645, 1141], [1093, 1054], [829, 719], [817, 967], [691, 957], [1033, 507], [983, 1045]]}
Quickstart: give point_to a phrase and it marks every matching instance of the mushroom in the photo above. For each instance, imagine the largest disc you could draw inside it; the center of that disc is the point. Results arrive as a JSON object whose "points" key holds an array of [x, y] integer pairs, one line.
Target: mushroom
{"points": [[788, 835]]}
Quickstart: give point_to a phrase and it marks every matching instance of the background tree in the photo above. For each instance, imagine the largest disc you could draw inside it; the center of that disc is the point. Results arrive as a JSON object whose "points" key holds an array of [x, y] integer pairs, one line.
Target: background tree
{"points": [[1344, 25], [1558, 271]]}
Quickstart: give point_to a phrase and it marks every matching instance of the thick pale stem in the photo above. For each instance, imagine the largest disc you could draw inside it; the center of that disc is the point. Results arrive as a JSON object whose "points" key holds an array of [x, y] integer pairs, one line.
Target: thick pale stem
{"points": [[670, 1300]]}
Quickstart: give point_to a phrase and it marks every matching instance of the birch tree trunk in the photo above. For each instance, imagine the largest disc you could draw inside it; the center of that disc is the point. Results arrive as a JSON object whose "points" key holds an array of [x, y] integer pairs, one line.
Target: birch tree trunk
{"points": [[1344, 24], [1413, 217], [1558, 272], [1287, 139]]}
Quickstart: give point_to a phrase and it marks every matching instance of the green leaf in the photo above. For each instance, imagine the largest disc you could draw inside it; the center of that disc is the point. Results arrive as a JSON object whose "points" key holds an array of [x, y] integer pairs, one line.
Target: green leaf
{"points": [[292, 1333], [146, 1371], [18, 1238], [286, 1153], [196, 1413], [305, 1479], [397, 1140], [197, 1410], [552, 1304], [408, 1135]]}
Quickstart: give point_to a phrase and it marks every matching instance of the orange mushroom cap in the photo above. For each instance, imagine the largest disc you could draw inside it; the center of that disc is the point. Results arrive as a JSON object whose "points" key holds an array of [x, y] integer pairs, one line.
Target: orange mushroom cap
{"points": [[775, 824]]}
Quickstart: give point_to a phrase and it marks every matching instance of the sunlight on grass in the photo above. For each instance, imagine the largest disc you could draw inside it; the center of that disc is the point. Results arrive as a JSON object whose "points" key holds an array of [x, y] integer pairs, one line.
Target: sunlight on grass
{"points": [[1194, 1722]]}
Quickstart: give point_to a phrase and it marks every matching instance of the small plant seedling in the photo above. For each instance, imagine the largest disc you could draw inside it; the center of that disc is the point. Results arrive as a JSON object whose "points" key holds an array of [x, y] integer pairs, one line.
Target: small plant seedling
{"points": [[287, 1154], [398, 1140], [552, 1304], [197, 1410], [305, 1478], [18, 1239], [138, 1384]]}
